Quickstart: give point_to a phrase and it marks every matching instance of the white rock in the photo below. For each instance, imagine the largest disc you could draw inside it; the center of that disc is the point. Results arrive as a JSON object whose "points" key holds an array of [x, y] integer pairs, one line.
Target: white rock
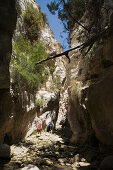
{"points": [[30, 167]]}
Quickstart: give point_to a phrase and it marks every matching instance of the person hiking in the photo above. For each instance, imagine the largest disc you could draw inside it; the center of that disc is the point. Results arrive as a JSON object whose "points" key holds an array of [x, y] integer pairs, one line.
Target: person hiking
{"points": [[51, 127], [39, 129]]}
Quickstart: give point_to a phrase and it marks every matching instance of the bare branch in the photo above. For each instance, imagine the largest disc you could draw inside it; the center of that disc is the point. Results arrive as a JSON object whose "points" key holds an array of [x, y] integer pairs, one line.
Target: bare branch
{"points": [[60, 54], [78, 21], [89, 43]]}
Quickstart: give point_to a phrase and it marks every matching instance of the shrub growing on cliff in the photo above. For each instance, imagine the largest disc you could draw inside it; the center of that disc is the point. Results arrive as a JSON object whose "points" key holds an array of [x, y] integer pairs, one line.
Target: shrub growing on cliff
{"points": [[39, 102], [25, 73], [34, 20]]}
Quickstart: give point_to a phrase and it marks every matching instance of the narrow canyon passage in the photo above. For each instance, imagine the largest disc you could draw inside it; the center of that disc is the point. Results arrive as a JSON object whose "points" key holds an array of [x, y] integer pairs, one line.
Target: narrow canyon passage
{"points": [[51, 152], [73, 92]]}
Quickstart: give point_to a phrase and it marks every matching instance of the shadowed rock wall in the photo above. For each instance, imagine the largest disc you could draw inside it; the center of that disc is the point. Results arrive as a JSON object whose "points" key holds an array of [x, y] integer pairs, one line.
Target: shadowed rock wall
{"points": [[90, 112], [7, 26], [90, 82]]}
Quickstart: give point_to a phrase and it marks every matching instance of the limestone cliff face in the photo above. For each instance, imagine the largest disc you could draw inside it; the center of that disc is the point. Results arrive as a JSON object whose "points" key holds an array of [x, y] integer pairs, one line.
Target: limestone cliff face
{"points": [[90, 84], [25, 116], [7, 26]]}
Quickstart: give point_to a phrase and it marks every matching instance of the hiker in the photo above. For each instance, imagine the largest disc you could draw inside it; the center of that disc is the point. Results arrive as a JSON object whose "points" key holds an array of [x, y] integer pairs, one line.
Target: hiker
{"points": [[51, 127], [39, 129]]}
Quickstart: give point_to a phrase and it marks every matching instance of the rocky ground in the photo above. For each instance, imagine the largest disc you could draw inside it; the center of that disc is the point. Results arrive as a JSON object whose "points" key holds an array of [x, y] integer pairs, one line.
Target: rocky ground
{"points": [[51, 152]]}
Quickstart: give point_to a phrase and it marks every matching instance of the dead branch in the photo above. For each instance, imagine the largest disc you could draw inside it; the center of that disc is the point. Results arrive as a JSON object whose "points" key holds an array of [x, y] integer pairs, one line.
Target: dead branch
{"points": [[60, 54], [88, 44]]}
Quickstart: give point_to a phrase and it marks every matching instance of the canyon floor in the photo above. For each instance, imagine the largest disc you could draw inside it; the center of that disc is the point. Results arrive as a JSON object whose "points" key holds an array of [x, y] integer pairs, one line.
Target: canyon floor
{"points": [[51, 152]]}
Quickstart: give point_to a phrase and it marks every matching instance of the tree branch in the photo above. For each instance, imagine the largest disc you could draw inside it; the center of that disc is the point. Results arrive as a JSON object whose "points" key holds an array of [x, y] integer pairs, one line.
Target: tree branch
{"points": [[89, 43], [78, 21], [60, 54]]}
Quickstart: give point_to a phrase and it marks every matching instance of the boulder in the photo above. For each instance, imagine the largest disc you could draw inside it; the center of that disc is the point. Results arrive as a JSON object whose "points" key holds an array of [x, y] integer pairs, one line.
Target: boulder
{"points": [[107, 163], [4, 151], [30, 167]]}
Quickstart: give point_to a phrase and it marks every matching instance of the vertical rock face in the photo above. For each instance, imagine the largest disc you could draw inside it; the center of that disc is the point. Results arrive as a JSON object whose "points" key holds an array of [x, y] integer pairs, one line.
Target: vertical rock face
{"points": [[7, 22], [25, 116], [90, 84], [7, 26]]}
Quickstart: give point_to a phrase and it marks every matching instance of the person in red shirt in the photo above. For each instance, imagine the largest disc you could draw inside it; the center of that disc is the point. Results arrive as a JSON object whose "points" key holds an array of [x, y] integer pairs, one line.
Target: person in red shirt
{"points": [[39, 129]]}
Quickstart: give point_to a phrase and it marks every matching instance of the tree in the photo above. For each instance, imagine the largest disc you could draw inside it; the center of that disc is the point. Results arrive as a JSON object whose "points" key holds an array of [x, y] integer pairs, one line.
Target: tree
{"points": [[92, 13], [69, 11], [34, 21], [25, 74]]}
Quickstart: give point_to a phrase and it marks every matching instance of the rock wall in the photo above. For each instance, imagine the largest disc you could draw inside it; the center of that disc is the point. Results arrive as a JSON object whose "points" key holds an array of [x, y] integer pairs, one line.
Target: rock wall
{"points": [[25, 114], [90, 82], [7, 26]]}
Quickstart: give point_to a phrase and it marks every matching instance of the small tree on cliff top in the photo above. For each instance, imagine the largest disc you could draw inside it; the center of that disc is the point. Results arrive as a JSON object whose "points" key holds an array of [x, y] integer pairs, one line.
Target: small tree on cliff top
{"points": [[34, 21]]}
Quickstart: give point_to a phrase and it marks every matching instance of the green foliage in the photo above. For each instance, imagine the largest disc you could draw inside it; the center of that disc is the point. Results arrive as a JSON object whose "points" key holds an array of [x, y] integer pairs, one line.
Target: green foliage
{"points": [[75, 86], [68, 11], [44, 130], [34, 132], [25, 73], [55, 84], [39, 102], [34, 21]]}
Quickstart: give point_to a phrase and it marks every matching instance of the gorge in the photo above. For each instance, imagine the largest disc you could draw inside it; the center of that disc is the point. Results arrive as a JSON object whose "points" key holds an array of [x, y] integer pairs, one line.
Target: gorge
{"points": [[77, 96]]}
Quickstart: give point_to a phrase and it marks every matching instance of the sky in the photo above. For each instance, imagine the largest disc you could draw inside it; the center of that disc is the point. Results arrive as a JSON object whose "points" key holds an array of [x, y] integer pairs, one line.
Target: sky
{"points": [[55, 24]]}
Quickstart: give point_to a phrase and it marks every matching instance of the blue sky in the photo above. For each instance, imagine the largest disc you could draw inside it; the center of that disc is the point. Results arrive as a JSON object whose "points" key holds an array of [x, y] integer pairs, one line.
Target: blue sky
{"points": [[55, 24]]}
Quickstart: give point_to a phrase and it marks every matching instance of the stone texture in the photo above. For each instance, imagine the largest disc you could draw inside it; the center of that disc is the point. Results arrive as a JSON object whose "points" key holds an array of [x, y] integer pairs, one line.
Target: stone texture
{"points": [[107, 163], [90, 81], [49, 112], [100, 99], [24, 106], [63, 107], [48, 151], [8, 12], [7, 26], [4, 151], [30, 167]]}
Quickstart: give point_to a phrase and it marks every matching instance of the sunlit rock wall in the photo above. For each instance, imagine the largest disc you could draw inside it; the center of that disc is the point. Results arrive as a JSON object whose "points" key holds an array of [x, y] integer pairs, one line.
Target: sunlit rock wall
{"points": [[26, 116]]}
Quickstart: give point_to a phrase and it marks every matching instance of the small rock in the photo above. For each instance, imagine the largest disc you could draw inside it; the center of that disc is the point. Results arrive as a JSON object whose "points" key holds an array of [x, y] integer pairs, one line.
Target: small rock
{"points": [[84, 164], [57, 153], [72, 160], [4, 151], [83, 160], [77, 158], [61, 160], [68, 164], [49, 162], [30, 167]]}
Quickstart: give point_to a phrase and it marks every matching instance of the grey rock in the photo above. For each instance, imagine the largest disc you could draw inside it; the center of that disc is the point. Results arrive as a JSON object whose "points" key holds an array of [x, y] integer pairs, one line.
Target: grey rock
{"points": [[4, 151], [77, 158], [30, 167]]}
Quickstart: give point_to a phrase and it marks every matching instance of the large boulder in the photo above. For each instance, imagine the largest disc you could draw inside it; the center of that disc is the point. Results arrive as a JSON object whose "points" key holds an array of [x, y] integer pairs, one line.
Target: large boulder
{"points": [[4, 151], [107, 163]]}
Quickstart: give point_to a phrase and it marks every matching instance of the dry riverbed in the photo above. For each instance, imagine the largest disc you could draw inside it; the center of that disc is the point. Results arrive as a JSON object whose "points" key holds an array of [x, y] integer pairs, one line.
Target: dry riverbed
{"points": [[50, 152]]}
